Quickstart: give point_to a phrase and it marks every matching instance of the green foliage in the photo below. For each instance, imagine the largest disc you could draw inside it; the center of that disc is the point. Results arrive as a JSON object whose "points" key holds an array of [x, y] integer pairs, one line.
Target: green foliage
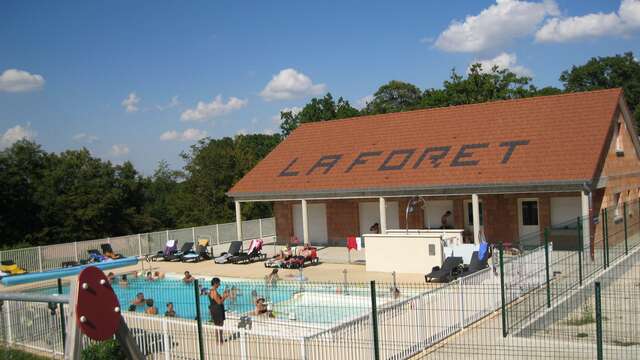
{"points": [[394, 96], [13, 354], [605, 73], [317, 109], [105, 350]]}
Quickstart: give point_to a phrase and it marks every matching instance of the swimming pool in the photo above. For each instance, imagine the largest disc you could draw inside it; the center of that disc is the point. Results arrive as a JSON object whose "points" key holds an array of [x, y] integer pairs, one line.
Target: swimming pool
{"points": [[288, 300]]}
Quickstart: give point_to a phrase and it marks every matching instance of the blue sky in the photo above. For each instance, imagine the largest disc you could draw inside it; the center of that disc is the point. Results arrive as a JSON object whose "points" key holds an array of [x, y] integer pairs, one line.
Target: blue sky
{"points": [[143, 80]]}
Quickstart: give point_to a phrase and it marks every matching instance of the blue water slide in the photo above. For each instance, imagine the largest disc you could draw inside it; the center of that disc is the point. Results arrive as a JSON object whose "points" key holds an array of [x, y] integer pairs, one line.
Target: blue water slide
{"points": [[69, 271]]}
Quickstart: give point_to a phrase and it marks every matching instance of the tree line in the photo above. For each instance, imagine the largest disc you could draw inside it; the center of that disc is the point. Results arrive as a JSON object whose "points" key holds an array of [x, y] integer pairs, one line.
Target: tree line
{"points": [[48, 198]]}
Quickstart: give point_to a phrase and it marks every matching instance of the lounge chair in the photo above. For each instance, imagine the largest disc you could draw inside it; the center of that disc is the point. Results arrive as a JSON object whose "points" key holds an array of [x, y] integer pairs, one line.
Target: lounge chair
{"points": [[107, 251], [186, 248], [254, 254], [201, 252], [300, 261], [450, 270], [170, 248], [95, 256], [234, 250], [475, 264], [11, 268]]}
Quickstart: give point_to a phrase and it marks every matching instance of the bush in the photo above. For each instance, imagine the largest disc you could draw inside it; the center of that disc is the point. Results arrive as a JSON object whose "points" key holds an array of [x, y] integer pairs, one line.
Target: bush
{"points": [[106, 350]]}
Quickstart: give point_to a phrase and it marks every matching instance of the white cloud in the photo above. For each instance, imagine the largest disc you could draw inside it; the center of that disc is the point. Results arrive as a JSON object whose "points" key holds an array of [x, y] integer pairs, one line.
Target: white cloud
{"points": [[268, 131], [187, 135], [14, 80], [363, 101], [242, 132], [294, 110], [626, 20], [495, 26], [217, 107], [173, 103], [503, 61], [118, 150], [131, 102], [85, 138], [291, 84], [16, 133]]}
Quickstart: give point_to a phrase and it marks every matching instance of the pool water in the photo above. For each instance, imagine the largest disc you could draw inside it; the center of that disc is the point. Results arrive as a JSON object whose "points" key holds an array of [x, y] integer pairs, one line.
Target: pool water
{"points": [[318, 304]]}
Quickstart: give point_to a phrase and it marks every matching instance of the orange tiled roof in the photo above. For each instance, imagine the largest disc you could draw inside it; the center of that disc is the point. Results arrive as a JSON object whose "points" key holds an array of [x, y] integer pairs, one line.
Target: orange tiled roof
{"points": [[542, 140]]}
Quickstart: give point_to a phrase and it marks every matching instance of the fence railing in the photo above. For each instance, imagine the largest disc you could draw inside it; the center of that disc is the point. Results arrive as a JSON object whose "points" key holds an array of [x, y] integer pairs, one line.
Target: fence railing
{"points": [[41, 258]]}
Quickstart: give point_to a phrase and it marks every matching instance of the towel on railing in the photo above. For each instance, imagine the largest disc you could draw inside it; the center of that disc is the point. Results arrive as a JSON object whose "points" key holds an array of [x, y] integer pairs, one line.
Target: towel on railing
{"points": [[351, 243]]}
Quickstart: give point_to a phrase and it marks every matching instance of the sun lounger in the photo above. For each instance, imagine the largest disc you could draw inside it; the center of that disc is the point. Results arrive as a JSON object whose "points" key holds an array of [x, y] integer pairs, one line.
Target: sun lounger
{"points": [[234, 250], [170, 248], [475, 265], [450, 269], [254, 254], [301, 261], [184, 250], [201, 252]]}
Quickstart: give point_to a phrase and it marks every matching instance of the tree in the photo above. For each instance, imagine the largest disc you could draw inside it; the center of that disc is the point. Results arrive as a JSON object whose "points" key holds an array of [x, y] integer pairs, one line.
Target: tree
{"points": [[394, 96], [318, 109], [479, 86], [162, 187], [605, 73]]}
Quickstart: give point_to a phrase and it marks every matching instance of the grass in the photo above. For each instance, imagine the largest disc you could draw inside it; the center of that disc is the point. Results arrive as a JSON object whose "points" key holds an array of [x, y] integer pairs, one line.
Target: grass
{"points": [[13, 354], [586, 317]]}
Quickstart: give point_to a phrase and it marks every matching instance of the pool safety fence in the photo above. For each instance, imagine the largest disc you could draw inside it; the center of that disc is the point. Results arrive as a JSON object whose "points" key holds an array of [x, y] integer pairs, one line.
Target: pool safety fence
{"points": [[46, 257]]}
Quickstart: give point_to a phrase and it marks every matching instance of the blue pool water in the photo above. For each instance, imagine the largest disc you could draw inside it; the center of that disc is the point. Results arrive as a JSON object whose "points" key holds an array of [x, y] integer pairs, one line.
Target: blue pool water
{"points": [[314, 304]]}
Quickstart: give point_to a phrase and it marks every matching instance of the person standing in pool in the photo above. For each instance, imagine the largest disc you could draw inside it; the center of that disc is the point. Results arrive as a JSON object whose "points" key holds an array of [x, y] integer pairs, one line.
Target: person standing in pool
{"points": [[216, 305]]}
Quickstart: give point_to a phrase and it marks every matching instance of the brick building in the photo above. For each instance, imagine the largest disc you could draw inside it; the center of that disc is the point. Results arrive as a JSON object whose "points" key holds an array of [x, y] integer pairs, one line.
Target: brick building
{"points": [[509, 168]]}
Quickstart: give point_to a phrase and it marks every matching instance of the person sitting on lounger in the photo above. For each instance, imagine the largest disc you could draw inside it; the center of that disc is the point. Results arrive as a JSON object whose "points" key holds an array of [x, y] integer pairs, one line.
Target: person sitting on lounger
{"points": [[139, 300], [151, 309], [285, 253], [187, 279], [171, 312], [112, 255]]}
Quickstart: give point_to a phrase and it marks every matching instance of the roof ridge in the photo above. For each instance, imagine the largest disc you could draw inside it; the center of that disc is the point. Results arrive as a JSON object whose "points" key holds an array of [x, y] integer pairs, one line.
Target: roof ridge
{"points": [[443, 108]]}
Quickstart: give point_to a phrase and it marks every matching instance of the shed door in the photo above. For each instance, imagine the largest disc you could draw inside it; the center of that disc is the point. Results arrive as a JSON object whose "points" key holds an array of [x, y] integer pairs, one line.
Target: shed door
{"points": [[529, 222], [317, 223], [565, 211]]}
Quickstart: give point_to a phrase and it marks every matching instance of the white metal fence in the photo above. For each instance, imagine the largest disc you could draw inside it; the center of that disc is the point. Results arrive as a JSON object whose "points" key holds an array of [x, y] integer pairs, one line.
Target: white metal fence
{"points": [[40, 258]]}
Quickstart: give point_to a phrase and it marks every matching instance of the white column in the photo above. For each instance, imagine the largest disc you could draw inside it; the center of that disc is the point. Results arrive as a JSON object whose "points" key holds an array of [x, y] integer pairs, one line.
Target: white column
{"points": [[476, 218], [305, 222], [383, 215], [586, 229], [238, 221]]}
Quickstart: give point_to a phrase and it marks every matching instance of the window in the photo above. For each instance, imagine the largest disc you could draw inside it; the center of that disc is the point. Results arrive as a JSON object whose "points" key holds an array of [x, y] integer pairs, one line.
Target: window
{"points": [[529, 213], [470, 213], [619, 133], [617, 201]]}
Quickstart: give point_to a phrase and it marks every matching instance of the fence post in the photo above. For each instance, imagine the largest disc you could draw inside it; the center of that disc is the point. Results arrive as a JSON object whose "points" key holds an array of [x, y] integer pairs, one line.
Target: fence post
{"points": [[580, 250], [62, 321], [598, 322], [165, 339], [167, 239], [260, 228], [75, 250], [460, 289], [218, 234], [40, 258], [546, 263], [303, 350], [604, 238], [502, 293], [626, 235], [7, 321], [193, 234], [374, 322], [139, 245], [196, 291]]}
